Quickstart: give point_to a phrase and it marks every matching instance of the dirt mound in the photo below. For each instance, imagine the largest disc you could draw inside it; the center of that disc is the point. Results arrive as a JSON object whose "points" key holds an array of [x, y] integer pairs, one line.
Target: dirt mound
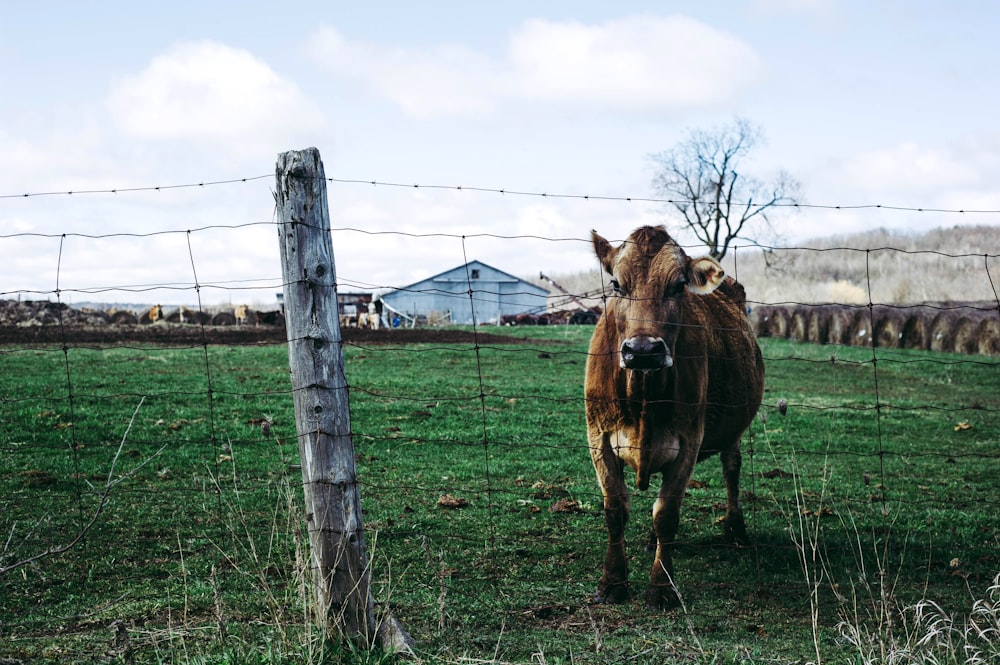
{"points": [[193, 335], [45, 322], [31, 313]]}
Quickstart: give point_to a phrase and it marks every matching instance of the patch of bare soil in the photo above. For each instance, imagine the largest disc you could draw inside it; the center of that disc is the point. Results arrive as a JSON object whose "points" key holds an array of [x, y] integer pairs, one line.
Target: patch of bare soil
{"points": [[193, 335], [363, 336]]}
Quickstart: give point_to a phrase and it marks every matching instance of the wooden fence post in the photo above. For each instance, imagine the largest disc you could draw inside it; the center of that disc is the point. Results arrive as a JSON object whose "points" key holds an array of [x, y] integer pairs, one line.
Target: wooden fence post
{"points": [[332, 499], [322, 413]]}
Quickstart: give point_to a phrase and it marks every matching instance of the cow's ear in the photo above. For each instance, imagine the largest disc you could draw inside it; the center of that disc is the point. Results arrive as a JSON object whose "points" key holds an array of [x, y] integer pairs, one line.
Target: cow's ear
{"points": [[605, 252], [704, 275]]}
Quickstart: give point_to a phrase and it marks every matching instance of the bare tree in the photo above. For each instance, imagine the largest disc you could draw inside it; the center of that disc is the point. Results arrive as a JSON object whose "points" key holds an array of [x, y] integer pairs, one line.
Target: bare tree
{"points": [[702, 179]]}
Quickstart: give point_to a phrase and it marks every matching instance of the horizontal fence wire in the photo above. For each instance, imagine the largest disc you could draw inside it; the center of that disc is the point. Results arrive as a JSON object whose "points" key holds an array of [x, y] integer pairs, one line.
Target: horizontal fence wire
{"points": [[511, 192], [477, 487]]}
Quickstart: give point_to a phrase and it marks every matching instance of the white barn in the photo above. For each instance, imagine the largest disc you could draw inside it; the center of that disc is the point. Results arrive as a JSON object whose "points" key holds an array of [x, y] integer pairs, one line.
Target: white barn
{"points": [[468, 294]]}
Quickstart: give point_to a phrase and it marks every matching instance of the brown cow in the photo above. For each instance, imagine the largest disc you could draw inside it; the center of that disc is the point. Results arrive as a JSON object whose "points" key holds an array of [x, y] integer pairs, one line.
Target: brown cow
{"points": [[674, 376], [152, 315]]}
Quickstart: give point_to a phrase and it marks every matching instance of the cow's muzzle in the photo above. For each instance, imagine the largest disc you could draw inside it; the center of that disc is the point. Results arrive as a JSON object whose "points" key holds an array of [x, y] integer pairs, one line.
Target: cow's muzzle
{"points": [[645, 353]]}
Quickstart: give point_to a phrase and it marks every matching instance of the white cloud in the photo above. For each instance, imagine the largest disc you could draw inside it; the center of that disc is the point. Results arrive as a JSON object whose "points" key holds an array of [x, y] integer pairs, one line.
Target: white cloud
{"points": [[209, 91], [54, 152], [951, 176], [908, 168], [954, 176], [821, 8], [446, 80], [541, 220], [639, 63]]}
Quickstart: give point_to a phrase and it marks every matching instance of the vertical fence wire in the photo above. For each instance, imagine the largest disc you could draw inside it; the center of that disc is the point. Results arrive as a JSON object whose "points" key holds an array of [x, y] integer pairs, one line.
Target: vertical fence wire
{"points": [[878, 402], [760, 420], [491, 524], [490, 446], [209, 387], [79, 482], [993, 286]]}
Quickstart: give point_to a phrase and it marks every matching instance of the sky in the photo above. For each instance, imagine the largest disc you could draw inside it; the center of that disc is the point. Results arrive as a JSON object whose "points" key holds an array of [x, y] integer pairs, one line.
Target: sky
{"points": [[890, 102]]}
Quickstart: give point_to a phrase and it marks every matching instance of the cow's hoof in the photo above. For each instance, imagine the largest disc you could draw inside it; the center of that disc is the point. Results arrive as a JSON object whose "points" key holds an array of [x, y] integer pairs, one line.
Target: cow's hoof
{"points": [[613, 594], [736, 533], [739, 540], [662, 598]]}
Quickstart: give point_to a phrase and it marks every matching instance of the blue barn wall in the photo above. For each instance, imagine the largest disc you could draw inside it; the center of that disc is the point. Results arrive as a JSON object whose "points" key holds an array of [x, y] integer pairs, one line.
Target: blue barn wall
{"points": [[494, 294]]}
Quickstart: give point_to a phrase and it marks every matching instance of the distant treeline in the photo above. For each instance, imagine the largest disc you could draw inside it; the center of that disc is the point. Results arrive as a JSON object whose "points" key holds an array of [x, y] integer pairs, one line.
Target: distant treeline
{"points": [[879, 266]]}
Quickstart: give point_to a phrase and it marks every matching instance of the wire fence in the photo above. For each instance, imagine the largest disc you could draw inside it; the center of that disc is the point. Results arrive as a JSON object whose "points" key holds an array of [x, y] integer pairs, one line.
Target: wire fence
{"points": [[150, 467]]}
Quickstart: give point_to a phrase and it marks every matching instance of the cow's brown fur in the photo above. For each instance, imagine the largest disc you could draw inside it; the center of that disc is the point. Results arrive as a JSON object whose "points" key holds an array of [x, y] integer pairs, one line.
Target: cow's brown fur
{"points": [[674, 376]]}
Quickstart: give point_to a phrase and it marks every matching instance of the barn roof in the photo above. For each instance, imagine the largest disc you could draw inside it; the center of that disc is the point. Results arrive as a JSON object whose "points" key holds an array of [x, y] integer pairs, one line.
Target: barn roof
{"points": [[460, 274]]}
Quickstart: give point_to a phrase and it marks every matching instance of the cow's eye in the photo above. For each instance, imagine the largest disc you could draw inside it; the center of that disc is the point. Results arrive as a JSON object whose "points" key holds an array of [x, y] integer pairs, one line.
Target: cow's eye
{"points": [[676, 289], [616, 286]]}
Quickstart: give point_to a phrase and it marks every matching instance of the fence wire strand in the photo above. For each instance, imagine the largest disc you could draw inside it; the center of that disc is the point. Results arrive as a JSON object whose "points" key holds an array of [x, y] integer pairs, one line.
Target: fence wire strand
{"points": [[207, 452]]}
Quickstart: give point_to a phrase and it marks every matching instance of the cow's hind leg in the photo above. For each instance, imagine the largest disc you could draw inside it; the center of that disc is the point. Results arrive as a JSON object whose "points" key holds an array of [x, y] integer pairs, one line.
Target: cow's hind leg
{"points": [[735, 527], [613, 587]]}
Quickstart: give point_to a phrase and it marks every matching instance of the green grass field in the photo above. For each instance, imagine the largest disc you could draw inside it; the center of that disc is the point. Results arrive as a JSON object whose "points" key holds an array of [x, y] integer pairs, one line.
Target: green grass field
{"points": [[877, 489]]}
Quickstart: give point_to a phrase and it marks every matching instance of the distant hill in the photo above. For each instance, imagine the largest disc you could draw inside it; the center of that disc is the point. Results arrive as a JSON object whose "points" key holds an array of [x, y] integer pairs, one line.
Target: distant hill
{"points": [[892, 267], [109, 306]]}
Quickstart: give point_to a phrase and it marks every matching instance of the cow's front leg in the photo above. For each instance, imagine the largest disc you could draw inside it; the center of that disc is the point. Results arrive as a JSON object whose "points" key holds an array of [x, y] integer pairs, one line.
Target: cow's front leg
{"points": [[666, 518], [613, 587]]}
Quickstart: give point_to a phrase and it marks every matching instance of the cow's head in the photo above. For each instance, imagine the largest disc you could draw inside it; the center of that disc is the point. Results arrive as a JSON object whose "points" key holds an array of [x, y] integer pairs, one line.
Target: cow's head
{"points": [[651, 276]]}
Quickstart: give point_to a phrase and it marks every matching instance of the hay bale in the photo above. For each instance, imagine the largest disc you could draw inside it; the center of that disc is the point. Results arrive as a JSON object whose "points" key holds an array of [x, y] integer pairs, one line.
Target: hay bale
{"points": [[940, 335], [916, 329], [965, 335], [859, 330], [819, 324], [760, 318], [123, 317], [888, 330], [198, 317], [798, 325], [274, 318], [753, 315], [989, 336], [838, 324], [189, 316], [94, 317], [224, 319], [779, 321]]}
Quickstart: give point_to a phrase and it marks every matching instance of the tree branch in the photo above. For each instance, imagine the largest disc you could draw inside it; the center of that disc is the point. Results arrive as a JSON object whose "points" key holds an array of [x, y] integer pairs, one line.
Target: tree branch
{"points": [[700, 179]]}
